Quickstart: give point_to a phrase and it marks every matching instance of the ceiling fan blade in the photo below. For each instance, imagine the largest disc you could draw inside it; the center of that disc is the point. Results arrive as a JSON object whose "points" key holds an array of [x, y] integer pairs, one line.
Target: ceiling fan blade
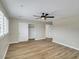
{"points": [[36, 16], [49, 16]]}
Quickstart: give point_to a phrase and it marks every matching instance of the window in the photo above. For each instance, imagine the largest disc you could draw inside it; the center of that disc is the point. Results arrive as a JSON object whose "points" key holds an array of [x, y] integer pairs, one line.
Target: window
{"points": [[3, 24], [5, 30]]}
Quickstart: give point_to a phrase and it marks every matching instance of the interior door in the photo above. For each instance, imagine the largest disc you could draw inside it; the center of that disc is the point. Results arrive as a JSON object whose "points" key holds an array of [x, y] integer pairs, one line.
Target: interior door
{"points": [[23, 31]]}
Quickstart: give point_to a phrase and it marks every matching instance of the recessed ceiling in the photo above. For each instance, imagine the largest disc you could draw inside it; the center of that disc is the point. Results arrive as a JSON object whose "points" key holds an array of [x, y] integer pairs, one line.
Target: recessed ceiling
{"points": [[25, 9]]}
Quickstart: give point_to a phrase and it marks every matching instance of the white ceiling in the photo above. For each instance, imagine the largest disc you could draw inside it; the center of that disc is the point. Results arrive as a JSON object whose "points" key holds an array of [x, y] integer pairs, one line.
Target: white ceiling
{"points": [[25, 9]]}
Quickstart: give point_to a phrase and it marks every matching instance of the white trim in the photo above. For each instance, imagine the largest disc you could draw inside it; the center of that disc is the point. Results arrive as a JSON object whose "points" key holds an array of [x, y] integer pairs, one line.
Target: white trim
{"points": [[67, 45], [39, 38], [23, 41], [5, 51], [13, 42]]}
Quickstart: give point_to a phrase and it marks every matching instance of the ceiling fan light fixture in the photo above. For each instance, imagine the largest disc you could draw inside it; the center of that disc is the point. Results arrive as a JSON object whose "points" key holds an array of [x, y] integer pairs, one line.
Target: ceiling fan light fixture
{"points": [[42, 18]]}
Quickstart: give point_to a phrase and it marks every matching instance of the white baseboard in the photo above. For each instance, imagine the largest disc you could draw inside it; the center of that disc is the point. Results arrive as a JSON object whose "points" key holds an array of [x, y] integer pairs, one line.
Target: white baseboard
{"points": [[5, 51], [67, 45], [16, 42], [13, 42]]}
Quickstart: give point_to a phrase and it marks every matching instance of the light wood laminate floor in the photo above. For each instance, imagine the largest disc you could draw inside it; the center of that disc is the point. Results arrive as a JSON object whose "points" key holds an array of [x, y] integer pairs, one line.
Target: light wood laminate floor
{"points": [[40, 49]]}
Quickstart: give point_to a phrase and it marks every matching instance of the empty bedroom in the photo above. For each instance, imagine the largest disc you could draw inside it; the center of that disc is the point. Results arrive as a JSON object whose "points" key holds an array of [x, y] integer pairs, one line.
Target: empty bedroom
{"points": [[39, 29]]}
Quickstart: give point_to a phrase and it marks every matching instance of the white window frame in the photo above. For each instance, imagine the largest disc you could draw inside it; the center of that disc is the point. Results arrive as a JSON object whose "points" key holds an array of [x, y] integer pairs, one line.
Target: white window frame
{"points": [[3, 24]]}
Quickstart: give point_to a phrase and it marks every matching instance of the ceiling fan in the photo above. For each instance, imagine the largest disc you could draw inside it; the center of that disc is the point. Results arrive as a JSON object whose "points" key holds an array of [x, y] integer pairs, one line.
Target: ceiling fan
{"points": [[44, 16]]}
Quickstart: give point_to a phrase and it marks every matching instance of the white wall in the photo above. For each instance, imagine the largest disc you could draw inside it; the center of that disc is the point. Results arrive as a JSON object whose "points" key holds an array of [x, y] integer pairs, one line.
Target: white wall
{"points": [[66, 31], [32, 33], [38, 33], [4, 41], [49, 32]]}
